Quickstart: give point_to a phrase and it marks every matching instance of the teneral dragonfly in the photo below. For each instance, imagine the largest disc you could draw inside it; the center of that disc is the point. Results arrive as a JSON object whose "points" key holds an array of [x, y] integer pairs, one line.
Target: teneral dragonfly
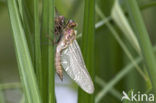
{"points": [[68, 55]]}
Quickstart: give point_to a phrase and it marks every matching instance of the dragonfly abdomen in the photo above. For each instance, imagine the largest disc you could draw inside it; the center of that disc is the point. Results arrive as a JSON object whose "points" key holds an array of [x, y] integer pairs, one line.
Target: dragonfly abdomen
{"points": [[58, 64]]}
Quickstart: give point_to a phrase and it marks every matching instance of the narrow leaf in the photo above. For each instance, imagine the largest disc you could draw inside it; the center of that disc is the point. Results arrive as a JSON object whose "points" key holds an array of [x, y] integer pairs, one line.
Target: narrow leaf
{"points": [[26, 70], [51, 50], [44, 50], [121, 20], [88, 46], [37, 44]]}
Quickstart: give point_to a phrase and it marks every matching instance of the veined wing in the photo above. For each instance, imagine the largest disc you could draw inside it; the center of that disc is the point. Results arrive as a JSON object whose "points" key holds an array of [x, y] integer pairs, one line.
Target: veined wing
{"points": [[73, 63]]}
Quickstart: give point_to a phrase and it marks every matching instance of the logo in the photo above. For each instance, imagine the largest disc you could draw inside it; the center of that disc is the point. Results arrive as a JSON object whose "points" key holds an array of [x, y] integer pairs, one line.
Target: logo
{"points": [[137, 97]]}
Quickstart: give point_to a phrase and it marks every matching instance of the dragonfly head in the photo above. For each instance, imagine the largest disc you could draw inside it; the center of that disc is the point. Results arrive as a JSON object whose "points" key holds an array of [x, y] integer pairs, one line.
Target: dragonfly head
{"points": [[71, 24]]}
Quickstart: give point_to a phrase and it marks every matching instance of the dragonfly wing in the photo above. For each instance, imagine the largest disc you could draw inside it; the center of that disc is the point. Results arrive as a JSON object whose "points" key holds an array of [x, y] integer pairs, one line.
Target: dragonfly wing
{"points": [[73, 63]]}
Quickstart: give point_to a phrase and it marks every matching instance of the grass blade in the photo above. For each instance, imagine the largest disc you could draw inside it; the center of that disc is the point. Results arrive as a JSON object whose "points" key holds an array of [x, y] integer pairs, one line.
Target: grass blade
{"points": [[51, 51], [37, 44], [144, 40], [148, 5], [44, 50], [113, 91], [28, 24], [88, 46], [26, 70], [15, 85], [122, 22]]}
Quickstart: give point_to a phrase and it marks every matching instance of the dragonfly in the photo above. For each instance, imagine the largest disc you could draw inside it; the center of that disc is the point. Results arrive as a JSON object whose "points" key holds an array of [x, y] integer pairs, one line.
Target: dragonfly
{"points": [[68, 55]]}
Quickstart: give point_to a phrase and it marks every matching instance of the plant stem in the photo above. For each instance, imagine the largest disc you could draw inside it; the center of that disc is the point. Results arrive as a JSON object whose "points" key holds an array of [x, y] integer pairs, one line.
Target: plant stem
{"points": [[113, 91], [87, 45], [37, 44], [51, 51], [44, 49]]}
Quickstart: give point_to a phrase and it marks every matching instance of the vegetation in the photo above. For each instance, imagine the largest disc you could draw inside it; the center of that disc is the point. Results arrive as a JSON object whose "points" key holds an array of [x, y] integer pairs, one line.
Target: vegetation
{"points": [[116, 38]]}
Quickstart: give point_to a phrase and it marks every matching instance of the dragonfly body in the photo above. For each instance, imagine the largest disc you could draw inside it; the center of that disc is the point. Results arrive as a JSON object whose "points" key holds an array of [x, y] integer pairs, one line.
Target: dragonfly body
{"points": [[68, 55], [68, 37]]}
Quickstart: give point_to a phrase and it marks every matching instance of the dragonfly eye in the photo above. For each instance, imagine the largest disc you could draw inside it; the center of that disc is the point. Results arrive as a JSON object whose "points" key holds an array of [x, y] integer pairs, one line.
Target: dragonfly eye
{"points": [[71, 24]]}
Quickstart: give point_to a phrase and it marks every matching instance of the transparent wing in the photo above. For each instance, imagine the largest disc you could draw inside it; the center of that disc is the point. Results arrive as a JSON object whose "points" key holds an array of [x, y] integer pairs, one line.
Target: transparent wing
{"points": [[73, 63]]}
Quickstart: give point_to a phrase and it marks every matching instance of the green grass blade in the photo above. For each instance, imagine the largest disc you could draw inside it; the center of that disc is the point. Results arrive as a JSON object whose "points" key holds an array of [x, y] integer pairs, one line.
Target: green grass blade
{"points": [[26, 70], [51, 69], [144, 40], [113, 91], [37, 44], [102, 22], [44, 49], [148, 5], [122, 22], [88, 46], [10, 86], [28, 24]]}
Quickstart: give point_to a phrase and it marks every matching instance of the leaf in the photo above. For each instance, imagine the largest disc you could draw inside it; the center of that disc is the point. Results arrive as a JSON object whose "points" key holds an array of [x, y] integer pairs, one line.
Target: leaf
{"points": [[25, 66], [122, 22], [87, 45]]}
